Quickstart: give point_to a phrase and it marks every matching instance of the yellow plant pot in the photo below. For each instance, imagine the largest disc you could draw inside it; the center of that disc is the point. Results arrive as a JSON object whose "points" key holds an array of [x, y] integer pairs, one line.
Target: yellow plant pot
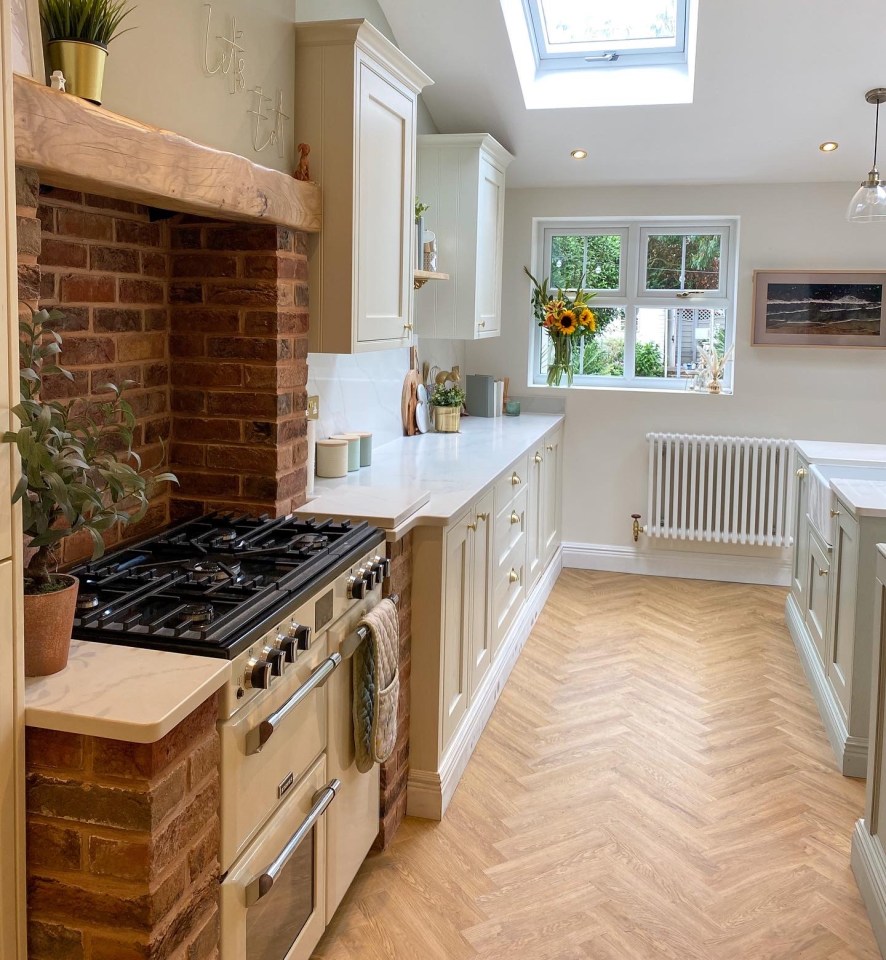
{"points": [[83, 65], [447, 419]]}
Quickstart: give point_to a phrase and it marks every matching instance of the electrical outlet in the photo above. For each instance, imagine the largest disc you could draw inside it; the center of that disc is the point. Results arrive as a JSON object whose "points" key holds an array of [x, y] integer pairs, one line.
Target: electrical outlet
{"points": [[313, 408]]}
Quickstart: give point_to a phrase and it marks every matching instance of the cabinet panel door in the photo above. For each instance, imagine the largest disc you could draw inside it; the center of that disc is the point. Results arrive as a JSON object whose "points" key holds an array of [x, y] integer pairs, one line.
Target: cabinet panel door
{"points": [[385, 184], [490, 230], [552, 471], [456, 627], [801, 538], [841, 633], [535, 506], [481, 591], [817, 575]]}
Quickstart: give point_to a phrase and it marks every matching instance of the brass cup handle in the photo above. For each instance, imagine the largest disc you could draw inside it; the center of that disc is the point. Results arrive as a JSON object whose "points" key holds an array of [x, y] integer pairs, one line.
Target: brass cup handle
{"points": [[513, 576], [801, 472], [538, 458], [515, 480], [515, 517], [835, 513]]}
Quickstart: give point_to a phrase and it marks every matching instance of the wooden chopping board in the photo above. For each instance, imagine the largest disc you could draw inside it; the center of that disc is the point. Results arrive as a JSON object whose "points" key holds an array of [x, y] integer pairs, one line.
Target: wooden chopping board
{"points": [[409, 397]]}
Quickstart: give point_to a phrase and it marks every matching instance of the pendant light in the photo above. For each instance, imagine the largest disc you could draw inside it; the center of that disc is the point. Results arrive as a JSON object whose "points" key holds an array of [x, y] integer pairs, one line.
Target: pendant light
{"points": [[869, 202]]}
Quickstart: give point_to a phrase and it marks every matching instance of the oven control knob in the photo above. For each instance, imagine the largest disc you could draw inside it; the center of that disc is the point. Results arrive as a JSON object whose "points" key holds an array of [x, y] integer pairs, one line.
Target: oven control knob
{"points": [[356, 588], [369, 577], [301, 634], [288, 647], [258, 674], [277, 659], [384, 564]]}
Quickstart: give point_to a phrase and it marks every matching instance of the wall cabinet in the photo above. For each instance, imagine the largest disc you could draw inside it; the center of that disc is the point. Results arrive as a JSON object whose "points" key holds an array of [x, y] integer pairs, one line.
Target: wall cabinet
{"points": [[830, 612], [355, 106], [462, 178], [468, 634]]}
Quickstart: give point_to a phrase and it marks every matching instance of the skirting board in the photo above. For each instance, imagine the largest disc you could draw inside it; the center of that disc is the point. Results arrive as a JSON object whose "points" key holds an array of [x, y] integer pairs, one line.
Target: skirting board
{"points": [[851, 753], [730, 568], [869, 867], [428, 792]]}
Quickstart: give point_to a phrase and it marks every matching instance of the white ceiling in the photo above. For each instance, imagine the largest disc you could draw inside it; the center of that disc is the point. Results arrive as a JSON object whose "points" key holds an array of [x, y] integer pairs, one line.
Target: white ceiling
{"points": [[774, 78]]}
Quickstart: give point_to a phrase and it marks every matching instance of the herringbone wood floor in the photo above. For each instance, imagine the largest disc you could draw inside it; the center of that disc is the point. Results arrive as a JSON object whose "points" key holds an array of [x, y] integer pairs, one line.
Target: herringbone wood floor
{"points": [[655, 782]]}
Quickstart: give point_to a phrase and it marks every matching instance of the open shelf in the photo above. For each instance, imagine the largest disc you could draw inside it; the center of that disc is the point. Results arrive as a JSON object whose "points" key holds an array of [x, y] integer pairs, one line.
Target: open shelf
{"points": [[421, 277]]}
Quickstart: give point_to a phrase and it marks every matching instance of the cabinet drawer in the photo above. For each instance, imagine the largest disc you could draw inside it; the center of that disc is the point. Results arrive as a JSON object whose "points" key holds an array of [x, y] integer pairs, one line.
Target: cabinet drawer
{"points": [[509, 589], [510, 483], [510, 526]]}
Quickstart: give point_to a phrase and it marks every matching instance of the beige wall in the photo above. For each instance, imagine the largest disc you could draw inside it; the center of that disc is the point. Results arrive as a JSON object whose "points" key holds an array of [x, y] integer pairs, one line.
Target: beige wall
{"points": [[794, 392], [155, 73]]}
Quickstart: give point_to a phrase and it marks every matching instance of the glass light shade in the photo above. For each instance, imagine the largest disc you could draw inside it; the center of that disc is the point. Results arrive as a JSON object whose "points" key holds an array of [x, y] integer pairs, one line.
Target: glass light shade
{"points": [[868, 204]]}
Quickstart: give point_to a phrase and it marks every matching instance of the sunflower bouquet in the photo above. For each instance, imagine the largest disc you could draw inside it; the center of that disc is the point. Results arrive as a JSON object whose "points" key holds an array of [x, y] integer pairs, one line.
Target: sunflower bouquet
{"points": [[564, 319]]}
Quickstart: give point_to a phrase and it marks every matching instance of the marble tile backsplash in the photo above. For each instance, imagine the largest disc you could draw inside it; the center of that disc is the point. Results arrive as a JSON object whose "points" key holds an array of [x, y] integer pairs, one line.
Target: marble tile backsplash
{"points": [[362, 391]]}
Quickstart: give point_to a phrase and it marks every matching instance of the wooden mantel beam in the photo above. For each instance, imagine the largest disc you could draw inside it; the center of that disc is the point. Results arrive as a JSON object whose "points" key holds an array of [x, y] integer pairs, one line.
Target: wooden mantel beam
{"points": [[75, 144]]}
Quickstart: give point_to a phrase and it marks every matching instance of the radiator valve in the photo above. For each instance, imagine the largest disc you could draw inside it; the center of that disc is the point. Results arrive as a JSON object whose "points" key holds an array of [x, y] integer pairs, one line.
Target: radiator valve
{"points": [[636, 528]]}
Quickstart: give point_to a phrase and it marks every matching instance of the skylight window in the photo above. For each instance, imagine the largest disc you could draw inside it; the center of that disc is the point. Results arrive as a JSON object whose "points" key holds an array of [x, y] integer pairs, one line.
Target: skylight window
{"points": [[570, 34]]}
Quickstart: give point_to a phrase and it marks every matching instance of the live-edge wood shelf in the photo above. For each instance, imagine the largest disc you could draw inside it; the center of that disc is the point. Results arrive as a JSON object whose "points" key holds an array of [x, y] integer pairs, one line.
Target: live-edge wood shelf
{"points": [[421, 277]]}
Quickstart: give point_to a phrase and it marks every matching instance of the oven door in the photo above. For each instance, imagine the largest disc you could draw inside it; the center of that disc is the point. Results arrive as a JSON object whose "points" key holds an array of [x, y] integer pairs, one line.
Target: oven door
{"points": [[273, 900]]}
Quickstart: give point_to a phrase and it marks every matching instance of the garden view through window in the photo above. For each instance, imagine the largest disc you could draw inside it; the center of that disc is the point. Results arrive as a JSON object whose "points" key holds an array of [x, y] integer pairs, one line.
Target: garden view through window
{"points": [[663, 292]]}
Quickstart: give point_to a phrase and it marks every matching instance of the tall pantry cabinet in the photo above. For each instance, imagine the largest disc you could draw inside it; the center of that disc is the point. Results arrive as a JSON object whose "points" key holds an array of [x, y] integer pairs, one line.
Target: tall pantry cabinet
{"points": [[355, 107]]}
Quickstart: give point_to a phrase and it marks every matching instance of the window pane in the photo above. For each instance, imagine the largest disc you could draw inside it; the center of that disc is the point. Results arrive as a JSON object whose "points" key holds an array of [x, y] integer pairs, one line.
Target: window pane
{"points": [[668, 341], [577, 21], [604, 354], [596, 260], [683, 262]]}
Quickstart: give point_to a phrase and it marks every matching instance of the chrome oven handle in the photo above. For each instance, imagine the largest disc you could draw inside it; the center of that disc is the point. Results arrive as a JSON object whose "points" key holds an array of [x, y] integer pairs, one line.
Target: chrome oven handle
{"points": [[259, 736], [264, 882]]}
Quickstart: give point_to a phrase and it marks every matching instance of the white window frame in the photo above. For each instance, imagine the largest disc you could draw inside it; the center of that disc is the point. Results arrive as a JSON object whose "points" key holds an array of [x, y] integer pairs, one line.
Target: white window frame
{"points": [[605, 53], [635, 231]]}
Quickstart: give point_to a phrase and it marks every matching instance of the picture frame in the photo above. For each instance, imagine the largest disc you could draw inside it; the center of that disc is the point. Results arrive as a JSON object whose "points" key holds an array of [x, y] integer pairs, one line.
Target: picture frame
{"points": [[27, 40], [820, 308]]}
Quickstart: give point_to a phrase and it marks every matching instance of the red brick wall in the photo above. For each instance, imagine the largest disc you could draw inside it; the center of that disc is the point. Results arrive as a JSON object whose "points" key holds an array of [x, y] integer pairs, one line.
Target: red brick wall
{"points": [[122, 845], [395, 771], [238, 345]]}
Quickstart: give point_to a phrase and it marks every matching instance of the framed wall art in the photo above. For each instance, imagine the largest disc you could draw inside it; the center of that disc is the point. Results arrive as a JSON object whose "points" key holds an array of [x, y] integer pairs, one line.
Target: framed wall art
{"points": [[820, 308], [27, 40]]}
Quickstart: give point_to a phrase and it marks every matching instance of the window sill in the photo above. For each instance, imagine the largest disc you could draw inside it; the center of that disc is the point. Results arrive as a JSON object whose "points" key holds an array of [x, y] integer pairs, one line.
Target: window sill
{"points": [[544, 390]]}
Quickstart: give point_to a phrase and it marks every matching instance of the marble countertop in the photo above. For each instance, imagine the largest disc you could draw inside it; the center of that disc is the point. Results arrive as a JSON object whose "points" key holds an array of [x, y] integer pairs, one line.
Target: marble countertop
{"points": [[122, 693], [867, 498], [852, 454], [452, 467]]}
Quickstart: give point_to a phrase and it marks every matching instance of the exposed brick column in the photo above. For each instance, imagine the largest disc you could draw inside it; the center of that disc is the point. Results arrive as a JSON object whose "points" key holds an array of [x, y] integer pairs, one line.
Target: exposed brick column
{"points": [[27, 236], [123, 844], [239, 366], [395, 771]]}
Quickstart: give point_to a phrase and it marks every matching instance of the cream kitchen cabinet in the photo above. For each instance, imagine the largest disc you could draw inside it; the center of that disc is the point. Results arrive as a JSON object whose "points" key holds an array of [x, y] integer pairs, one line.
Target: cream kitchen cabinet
{"points": [[801, 536], [462, 178], [355, 106], [552, 494]]}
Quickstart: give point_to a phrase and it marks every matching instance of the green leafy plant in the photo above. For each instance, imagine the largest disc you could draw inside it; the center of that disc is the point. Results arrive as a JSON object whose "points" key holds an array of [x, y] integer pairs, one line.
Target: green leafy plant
{"points": [[444, 396], [92, 21], [648, 360], [79, 471], [421, 208]]}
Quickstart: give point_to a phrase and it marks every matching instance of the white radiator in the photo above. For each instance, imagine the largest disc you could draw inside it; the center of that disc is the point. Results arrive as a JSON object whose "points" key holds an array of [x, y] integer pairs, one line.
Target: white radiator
{"points": [[720, 489]]}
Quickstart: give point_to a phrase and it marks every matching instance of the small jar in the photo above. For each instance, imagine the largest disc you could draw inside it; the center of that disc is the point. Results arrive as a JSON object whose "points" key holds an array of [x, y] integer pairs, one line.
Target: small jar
{"points": [[353, 441], [365, 449], [332, 458]]}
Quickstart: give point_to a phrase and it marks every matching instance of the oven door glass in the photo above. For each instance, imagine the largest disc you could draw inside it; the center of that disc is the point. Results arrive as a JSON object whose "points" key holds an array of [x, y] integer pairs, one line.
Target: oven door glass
{"points": [[274, 922]]}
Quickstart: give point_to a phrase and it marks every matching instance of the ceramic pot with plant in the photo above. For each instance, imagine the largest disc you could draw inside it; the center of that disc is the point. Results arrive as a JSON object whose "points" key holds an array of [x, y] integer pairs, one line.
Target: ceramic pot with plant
{"points": [[77, 36], [78, 473], [447, 403]]}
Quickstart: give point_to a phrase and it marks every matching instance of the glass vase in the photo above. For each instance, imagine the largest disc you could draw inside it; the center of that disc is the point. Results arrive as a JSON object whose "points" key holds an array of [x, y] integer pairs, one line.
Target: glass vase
{"points": [[561, 362]]}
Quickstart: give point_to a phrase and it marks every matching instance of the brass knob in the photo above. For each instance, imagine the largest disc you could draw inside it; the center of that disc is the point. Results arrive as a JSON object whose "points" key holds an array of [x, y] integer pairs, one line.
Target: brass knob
{"points": [[835, 513], [822, 573], [513, 576], [483, 516], [538, 458], [515, 480], [472, 526], [801, 472], [549, 446], [407, 326], [515, 517], [482, 323]]}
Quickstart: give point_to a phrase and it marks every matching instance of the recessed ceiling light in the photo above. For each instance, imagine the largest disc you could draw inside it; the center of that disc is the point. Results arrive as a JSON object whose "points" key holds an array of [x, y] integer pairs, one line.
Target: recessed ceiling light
{"points": [[578, 154], [829, 146]]}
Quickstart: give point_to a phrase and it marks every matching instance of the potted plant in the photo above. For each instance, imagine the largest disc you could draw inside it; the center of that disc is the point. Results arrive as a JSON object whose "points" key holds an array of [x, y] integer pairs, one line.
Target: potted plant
{"points": [[79, 473], [78, 33], [447, 403]]}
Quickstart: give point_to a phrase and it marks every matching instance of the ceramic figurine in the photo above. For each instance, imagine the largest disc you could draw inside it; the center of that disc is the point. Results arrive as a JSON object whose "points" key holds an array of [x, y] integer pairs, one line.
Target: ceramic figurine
{"points": [[303, 170], [57, 81]]}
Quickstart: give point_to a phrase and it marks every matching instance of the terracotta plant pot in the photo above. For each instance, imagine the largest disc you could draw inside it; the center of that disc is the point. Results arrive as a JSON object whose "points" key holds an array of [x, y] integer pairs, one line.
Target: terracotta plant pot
{"points": [[49, 619]]}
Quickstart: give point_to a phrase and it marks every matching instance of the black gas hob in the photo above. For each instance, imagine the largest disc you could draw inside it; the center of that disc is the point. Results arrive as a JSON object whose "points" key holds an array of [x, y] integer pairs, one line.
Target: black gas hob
{"points": [[208, 586]]}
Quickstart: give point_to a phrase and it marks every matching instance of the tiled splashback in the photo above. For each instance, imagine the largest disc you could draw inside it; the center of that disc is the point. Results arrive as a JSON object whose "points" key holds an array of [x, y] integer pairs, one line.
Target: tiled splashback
{"points": [[362, 391]]}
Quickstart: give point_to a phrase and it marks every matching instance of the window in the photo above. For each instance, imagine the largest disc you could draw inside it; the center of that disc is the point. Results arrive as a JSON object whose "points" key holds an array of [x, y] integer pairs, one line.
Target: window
{"points": [[663, 289], [570, 34]]}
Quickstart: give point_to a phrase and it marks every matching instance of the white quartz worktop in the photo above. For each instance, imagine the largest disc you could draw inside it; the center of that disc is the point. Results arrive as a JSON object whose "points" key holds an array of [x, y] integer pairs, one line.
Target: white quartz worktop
{"points": [[851, 454], [452, 467], [122, 693], [867, 498]]}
